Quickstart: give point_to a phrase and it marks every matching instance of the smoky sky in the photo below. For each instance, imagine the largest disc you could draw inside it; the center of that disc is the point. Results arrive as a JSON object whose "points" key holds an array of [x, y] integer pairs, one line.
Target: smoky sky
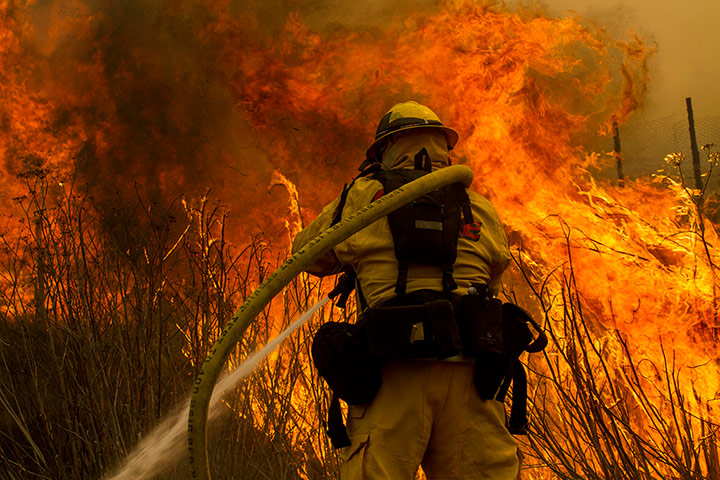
{"points": [[685, 62]]}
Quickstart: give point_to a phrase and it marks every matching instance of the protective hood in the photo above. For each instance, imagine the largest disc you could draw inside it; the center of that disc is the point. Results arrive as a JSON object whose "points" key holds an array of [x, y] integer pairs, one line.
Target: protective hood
{"points": [[401, 153]]}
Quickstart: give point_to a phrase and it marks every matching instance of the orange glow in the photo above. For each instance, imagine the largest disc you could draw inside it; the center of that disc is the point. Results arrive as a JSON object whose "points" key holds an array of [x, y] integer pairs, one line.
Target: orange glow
{"points": [[276, 119]]}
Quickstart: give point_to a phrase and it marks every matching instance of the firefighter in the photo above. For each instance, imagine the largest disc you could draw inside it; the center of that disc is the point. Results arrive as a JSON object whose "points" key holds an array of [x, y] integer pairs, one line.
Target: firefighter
{"points": [[428, 410]]}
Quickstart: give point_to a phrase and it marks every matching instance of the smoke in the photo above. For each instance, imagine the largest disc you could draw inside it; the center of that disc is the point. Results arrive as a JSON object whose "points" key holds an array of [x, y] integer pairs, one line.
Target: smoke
{"points": [[175, 98], [137, 96], [149, 95], [686, 39]]}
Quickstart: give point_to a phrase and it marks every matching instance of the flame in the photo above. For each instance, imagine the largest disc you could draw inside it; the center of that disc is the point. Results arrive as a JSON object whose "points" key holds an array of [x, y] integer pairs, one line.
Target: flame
{"points": [[293, 221], [196, 95]]}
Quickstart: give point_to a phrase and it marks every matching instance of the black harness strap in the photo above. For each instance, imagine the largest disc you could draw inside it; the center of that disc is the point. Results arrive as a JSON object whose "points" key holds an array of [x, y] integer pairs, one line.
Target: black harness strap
{"points": [[464, 201], [343, 199], [448, 281], [336, 426], [367, 168], [401, 284], [517, 424]]}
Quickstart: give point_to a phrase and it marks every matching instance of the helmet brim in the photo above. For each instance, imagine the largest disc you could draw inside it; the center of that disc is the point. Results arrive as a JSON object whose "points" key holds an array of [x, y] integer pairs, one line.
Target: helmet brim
{"points": [[450, 134]]}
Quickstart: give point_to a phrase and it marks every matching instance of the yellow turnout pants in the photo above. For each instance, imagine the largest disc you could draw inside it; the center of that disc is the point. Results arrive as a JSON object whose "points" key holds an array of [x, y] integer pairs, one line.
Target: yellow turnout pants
{"points": [[429, 413]]}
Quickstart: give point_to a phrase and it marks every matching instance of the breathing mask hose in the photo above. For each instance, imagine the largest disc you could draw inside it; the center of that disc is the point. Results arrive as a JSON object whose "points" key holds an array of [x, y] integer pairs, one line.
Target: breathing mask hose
{"points": [[275, 282]]}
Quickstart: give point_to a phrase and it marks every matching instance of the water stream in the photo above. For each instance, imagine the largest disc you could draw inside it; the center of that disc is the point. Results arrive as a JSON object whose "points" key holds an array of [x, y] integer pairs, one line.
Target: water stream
{"points": [[165, 445]]}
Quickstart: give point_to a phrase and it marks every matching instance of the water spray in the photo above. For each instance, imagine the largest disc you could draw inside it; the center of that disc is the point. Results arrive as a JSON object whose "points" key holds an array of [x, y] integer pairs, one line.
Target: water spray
{"points": [[275, 282], [161, 447]]}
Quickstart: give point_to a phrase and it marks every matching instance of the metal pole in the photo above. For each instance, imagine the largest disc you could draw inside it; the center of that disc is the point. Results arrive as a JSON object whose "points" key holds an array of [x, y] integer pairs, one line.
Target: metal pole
{"points": [[693, 145], [617, 151]]}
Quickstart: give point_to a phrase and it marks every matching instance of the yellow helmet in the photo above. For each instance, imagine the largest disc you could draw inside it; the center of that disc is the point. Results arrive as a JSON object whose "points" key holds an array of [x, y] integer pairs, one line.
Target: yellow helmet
{"points": [[406, 116]]}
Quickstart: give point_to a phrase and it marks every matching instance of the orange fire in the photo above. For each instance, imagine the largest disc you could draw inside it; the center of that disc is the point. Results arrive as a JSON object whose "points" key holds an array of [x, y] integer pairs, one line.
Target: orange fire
{"points": [[193, 96]]}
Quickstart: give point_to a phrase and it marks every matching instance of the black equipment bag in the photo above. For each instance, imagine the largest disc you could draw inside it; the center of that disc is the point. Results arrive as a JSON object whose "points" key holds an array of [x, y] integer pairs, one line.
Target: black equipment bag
{"points": [[483, 338], [519, 340], [495, 334], [481, 324], [340, 354]]}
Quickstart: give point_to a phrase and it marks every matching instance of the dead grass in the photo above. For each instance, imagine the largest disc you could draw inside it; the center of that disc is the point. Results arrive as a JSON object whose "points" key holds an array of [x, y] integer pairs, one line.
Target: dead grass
{"points": [[106, 311]]}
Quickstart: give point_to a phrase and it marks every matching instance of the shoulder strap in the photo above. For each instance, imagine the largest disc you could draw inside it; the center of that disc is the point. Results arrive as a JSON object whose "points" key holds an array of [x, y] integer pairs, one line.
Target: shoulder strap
{"points": [[337, 216], [368, 169]]}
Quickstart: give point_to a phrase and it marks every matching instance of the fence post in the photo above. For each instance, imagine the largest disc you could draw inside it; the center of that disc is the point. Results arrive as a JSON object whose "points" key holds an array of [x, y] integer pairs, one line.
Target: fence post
{"points": [[693, 145], [617, 152]]}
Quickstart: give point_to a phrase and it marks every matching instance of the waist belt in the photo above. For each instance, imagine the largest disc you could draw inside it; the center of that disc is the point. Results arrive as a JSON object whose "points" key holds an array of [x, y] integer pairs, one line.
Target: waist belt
{"points": [[427, 325]]}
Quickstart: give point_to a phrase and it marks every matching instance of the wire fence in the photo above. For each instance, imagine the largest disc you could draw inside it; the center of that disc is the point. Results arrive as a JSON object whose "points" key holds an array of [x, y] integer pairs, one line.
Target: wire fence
{"points": [[645, 144]]}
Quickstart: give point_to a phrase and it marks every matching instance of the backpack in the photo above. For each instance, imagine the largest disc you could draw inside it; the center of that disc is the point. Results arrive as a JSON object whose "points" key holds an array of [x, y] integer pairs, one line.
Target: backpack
{"points": [[426, 230]]}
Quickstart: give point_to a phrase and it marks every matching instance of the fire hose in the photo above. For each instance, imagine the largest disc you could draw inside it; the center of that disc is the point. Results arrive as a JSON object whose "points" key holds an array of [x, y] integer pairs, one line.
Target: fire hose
{"points": [[275, 282]]}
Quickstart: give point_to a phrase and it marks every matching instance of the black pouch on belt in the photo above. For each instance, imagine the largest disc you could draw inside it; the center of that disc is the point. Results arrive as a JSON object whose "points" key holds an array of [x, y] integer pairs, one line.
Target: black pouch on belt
{"points": [[481, 325], [340, 354], [481, 329], [428, 330]]}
